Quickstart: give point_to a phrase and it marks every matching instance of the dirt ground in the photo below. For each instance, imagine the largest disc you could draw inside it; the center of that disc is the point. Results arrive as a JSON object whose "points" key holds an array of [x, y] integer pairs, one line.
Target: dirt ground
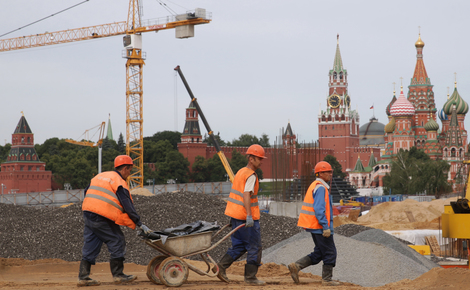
{"points": [[58, 274]]}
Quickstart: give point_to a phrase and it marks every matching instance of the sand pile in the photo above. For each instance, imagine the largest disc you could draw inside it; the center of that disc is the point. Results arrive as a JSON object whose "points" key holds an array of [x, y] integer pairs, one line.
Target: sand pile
{"points": [[141, 191], [399, 212]]}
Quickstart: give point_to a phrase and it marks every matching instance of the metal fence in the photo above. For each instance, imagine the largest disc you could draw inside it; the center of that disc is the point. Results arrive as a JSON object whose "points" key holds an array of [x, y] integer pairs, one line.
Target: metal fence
{"points": [[63, 197]]}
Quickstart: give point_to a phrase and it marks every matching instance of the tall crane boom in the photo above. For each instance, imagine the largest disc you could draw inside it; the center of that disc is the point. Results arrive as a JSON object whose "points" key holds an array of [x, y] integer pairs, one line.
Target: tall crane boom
{"points": [[221, 154], [132, 29]]}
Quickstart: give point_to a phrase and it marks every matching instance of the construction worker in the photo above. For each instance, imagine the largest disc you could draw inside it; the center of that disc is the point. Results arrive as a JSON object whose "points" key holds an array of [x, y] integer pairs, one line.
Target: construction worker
{"points": [[316, 217], [242, 207], [106, 206]]}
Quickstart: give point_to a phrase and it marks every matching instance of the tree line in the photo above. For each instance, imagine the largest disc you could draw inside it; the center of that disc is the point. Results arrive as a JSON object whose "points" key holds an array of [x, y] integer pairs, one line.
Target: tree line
{"points": [[77, 165]]}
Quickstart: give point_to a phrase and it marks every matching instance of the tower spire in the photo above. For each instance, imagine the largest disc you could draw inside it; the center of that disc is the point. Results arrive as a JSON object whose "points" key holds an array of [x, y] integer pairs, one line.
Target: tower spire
{"points": [[338, 63]]}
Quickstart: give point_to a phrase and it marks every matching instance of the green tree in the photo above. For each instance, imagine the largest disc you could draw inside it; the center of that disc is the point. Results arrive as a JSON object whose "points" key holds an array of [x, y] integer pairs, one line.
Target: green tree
{"points": [[121, 145], [264, 141], [207, 139], [238, 161], [413, 172], [246, 140], [4, 151], [173, 137], [216, 169], [337, 168], [175, 166], [199, 170]]}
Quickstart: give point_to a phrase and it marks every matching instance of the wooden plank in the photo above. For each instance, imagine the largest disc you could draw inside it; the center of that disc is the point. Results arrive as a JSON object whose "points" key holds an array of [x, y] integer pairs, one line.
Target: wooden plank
{"points": [[432, 242], [410, 216]]}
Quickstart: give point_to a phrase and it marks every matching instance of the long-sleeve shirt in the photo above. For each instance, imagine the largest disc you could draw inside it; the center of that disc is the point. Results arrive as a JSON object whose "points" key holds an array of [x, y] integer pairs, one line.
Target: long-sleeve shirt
{"points": [[319, 206], [124, 198]]}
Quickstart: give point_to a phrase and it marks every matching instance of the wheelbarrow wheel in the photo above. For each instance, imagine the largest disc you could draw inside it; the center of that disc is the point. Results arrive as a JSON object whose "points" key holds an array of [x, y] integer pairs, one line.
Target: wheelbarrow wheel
{"points": [[153, 267], [173, 272]]}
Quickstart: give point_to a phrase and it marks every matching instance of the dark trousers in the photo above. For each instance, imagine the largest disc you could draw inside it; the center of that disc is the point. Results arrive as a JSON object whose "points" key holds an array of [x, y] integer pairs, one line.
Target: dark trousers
{"points": [[246, 240], [325, 250], [99, 230]]}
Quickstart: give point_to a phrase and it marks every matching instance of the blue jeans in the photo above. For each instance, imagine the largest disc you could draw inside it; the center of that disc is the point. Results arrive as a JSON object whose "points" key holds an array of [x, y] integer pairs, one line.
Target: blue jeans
{"points": [[99, 230], [325, 250], [246, 240]]}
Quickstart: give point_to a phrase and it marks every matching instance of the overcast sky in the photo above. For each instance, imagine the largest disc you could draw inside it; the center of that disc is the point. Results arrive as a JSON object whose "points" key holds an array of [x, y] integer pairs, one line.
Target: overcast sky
{"points": [[254, 68]]}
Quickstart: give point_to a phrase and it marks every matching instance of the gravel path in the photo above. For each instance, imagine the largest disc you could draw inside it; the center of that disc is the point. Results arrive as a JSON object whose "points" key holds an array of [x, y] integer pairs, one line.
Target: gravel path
{"points": [[46, 233], [369, 264]]}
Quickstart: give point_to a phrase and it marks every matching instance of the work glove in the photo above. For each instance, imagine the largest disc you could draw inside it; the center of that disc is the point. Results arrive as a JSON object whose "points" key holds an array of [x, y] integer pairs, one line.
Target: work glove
{"points": [[249, 221], [327, 233], [145, 229]]}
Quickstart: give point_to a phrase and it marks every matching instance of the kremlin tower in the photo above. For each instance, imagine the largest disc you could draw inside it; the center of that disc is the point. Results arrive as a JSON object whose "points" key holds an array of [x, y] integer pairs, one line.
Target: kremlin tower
{"points": [[23, 171]]}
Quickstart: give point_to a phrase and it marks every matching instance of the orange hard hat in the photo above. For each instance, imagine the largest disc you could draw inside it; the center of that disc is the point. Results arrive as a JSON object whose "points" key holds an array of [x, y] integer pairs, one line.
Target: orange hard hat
{"points": [[122, 160], [323, 166], [256, 150]]}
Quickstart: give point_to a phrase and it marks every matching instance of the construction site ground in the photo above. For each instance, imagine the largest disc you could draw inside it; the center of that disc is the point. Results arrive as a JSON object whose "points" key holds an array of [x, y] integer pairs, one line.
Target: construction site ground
{"points": [[30, 259], [58, 274]]}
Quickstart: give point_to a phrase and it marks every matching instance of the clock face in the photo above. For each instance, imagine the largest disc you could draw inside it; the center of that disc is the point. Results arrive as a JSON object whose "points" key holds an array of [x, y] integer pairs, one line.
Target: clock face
{"points": [[334, 101], [347, 100]]}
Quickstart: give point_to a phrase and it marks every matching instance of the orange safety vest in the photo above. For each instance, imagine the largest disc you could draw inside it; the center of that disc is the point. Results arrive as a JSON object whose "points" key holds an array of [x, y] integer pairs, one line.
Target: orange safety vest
{"points": [[235, 206], [101, 198], [307, 218]]}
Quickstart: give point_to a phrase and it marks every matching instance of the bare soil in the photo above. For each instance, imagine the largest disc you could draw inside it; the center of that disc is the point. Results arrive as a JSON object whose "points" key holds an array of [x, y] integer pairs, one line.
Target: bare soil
{"points": [[54, 274]]}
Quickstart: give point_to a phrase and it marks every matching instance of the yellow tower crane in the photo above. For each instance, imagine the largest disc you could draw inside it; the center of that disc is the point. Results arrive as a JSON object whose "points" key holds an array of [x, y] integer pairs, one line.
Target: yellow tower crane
{"points": [[85, 140], [132, 29]]}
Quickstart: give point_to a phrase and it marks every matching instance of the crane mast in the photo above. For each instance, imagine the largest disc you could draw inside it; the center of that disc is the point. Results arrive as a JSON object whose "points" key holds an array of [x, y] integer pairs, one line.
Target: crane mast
{"points": [[133, 29]]}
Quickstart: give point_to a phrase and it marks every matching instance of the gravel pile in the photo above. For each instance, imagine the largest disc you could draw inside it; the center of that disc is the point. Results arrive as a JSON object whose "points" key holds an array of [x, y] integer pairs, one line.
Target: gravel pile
{"points": [[57, 233], [381, 237], [349, 230], [369, 264]]}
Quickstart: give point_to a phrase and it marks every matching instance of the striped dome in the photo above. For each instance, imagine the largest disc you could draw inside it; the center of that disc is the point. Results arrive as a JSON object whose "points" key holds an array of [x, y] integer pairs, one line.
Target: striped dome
{"points": [[402, 107], [431, 125], [390, 127], [387, 110], [461, 107], [442, 116]]}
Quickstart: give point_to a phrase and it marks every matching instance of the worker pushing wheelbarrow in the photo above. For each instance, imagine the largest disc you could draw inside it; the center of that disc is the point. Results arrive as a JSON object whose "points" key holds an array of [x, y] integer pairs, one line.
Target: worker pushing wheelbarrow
{"points": [[169, 268]]}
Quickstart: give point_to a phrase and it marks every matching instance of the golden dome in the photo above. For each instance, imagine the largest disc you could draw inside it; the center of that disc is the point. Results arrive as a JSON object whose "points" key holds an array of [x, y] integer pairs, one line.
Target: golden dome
{"points": [[419, 43]]}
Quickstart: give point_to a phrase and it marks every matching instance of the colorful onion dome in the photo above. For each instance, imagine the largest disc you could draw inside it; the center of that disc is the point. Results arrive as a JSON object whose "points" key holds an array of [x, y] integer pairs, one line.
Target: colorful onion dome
{"points": [[419, 43], [390, 127], [431, 125], [387, 110], [402, 107], [442, 116], [461, 107]]}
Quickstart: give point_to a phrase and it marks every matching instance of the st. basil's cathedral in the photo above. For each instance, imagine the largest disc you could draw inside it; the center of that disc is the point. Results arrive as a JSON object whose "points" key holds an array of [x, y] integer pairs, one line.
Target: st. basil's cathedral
{"points": [[412, 122]]}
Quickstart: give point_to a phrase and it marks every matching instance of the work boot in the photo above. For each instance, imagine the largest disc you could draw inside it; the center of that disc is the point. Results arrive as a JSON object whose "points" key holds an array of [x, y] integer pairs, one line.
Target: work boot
{"points": [[117, 266], [250, 275], [223, 264], [83, 275], [294, 268], [326, 276]]}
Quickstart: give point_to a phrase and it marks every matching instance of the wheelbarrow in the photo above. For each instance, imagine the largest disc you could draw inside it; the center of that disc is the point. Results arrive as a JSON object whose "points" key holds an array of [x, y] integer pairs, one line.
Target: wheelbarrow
{"points": [[170, 269]]}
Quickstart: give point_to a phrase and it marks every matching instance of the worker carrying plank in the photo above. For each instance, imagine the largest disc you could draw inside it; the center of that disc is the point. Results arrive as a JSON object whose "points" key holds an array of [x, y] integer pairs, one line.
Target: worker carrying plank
{"points": [[242, 207], [316, 217], [106, 206]]}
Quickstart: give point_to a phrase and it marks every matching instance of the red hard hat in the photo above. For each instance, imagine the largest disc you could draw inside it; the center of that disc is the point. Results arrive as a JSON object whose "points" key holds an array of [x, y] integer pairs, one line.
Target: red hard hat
{"points": [[256, 150], [323, 166], [122, 160]]}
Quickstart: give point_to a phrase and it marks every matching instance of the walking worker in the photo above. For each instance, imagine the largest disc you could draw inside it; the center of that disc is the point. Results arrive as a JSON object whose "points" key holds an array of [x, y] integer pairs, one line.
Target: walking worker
{"points": [[316, 217], [108, 205], [242, 207]]}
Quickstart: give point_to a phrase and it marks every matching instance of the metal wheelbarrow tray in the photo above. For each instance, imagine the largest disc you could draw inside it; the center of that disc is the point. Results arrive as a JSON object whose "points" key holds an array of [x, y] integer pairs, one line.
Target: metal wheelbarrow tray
{"points": [[170, 268]]}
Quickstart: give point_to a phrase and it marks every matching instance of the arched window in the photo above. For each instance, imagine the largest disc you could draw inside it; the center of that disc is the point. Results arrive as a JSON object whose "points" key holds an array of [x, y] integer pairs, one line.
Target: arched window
{"points": [[452, 152]]}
